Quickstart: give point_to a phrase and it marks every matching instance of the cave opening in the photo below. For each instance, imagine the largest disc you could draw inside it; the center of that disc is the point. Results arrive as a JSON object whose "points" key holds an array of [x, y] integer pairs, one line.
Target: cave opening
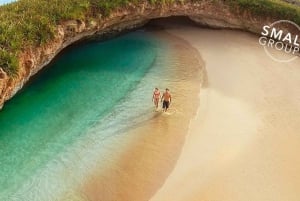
{"points": [[170, 22]]}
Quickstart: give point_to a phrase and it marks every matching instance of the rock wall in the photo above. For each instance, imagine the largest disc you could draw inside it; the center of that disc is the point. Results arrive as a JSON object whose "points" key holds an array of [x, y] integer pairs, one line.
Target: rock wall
{"points": [[214, 14]]}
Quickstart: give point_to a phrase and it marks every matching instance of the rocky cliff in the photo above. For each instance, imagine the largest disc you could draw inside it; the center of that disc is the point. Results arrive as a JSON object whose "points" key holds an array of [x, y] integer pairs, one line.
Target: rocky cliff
{"points": [[209, 13]]}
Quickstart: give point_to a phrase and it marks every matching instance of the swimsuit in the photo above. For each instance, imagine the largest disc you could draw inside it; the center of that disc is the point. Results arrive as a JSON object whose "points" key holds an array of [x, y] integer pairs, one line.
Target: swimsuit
{"points": [[166, 104], [156, 95]]}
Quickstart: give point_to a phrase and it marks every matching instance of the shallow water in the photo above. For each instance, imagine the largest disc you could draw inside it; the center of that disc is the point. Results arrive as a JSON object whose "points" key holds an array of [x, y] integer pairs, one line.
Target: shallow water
{"points": [[75, 115], [79, 89], [144, 156]]}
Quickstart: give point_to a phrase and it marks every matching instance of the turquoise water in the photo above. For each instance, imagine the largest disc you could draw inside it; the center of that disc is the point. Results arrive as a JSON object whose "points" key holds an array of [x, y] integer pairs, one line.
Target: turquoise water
{"points": [[77, 94]]}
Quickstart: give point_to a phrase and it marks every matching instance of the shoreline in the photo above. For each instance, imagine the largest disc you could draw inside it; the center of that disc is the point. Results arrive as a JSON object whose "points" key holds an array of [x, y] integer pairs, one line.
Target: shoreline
{"points": [[145, 146], [243, 143], [151, 150], [35, 57]]}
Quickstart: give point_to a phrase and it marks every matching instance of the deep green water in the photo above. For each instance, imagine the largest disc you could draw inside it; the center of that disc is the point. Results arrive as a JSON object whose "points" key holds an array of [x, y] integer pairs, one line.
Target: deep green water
{"points": [[78, 91]]}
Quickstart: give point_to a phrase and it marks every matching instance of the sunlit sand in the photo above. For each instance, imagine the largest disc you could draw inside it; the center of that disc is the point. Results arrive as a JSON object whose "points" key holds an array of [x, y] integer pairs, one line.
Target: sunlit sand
{"points": [[244, 143]]}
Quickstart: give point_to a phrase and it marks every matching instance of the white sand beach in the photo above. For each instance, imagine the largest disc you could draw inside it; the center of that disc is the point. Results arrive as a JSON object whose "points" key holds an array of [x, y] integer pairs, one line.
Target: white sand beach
{"points": [[244, 143], [140, 159]]}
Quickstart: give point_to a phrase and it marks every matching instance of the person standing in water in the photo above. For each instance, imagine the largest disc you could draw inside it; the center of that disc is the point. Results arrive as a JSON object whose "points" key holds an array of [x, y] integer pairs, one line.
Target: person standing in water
{"points": [[156, 97], [166, 98]]}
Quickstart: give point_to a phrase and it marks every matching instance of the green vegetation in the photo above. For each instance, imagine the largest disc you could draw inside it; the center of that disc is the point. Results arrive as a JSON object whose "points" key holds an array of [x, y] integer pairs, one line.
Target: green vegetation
{"points": [[31, 23], [272, 8]]}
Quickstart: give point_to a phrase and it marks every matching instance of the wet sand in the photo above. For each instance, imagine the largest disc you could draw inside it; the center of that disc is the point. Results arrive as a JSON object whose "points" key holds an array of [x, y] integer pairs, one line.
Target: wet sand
{"points": [[142, 158], [244, 143]]}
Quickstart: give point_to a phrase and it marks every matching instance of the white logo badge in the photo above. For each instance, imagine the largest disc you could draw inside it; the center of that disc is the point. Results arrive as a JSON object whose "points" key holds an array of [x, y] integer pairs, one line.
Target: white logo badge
{"points": [[273, 38]]}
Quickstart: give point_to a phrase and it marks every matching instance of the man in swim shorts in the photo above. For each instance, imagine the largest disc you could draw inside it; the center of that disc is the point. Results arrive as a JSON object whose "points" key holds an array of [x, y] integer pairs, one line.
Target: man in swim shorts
{"points": [[156, 97], [166, 98]]}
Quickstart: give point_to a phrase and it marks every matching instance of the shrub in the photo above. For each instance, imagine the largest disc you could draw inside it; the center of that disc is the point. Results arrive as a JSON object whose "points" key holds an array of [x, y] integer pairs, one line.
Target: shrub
{"points": [[33, 22]]}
